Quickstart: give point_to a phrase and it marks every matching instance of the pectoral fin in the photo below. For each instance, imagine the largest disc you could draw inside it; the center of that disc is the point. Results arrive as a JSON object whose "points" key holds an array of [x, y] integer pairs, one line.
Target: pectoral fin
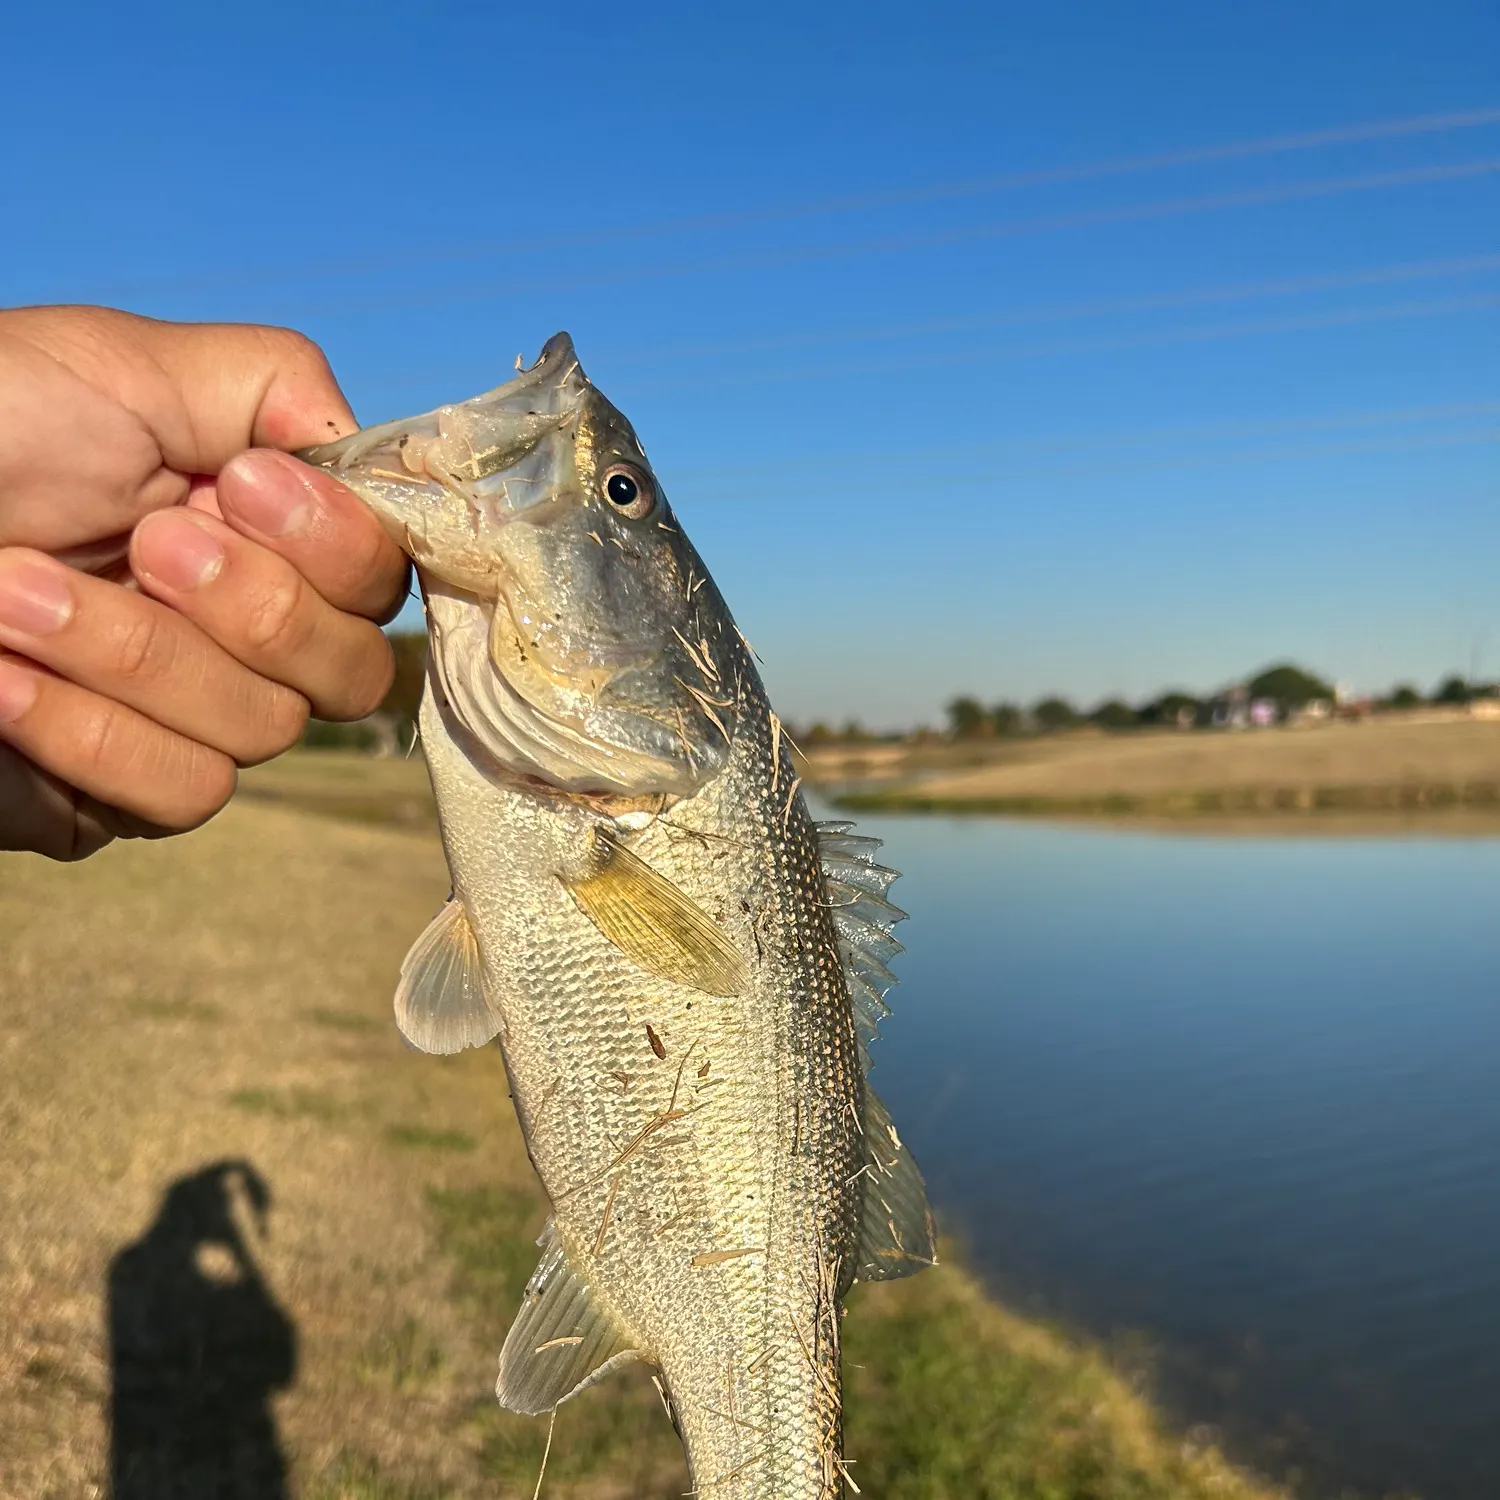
{"points": [[647, 918], [896, 1236], [440, 1004], [561, 1342]]}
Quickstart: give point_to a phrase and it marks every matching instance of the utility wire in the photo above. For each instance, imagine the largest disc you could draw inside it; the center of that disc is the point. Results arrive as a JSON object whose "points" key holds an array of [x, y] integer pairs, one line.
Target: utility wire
{"points": [[666, 228], [1244, 291], [905, 365]]}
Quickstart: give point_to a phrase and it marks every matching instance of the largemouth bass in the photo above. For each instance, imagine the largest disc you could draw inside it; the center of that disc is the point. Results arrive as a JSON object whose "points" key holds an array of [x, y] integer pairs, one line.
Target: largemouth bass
{"points": [[684, 971]]}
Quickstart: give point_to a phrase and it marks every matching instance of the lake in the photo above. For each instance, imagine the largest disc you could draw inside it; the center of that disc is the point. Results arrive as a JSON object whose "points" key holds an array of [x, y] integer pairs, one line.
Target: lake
{"points": [[1231, 1105]]}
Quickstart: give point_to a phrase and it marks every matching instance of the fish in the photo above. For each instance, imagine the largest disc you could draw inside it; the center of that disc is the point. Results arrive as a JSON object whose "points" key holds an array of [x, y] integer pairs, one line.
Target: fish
{"points": [[683, 970]]}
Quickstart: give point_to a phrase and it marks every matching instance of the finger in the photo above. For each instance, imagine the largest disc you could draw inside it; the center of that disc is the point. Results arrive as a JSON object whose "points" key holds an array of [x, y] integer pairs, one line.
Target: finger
{"points": [[321, 527], [118, 643], [38, 812], [203, 391], [111, 752], [42, 815], [263, 612]]}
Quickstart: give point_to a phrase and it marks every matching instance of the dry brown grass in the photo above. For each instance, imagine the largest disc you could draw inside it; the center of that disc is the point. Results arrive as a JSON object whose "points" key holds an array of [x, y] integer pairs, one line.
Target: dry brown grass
{"points": [[226, 995], [1389, 762]]}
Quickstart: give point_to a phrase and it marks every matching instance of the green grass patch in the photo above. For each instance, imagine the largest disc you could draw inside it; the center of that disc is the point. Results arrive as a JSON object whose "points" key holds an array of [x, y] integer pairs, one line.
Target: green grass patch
{"points": [[948, 1396], [173, 1010], [1404, 797], [356, 1476], [344, 1020], [405, 1359], [419, 1138], [289, 1104]]}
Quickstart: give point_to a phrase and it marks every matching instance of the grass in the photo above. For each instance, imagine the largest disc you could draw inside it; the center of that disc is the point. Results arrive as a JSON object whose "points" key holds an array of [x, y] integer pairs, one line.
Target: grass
{"points": [[1207, 802], [1385, 769], [343, 1020], [289, 1104], [402, 1210], [420, 1138]]}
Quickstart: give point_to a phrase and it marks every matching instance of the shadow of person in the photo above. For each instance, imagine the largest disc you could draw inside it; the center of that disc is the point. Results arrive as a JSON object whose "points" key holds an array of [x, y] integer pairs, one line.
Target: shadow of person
{"points": [[197, 1347]]}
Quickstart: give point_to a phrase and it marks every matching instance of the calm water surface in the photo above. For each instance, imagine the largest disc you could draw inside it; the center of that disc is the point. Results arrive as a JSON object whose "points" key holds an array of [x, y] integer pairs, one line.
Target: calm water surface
{"points": [[1237, 1099]]}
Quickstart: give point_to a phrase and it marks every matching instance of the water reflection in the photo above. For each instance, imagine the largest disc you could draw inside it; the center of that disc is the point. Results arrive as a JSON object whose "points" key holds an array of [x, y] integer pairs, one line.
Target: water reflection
{"points": [[1239, 1095], [198, 1346]]}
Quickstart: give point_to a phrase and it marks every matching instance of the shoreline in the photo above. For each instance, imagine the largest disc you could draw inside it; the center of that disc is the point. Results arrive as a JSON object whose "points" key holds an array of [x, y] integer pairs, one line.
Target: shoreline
{"points": [[1401, 773]]}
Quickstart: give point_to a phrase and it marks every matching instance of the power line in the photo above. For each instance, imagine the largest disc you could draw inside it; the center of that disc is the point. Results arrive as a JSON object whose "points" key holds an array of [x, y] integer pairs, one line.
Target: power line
{"points": [[935, 485], [1342, 421], [938, 239], [1356, 134], [1191, 334], [1245, 291]]}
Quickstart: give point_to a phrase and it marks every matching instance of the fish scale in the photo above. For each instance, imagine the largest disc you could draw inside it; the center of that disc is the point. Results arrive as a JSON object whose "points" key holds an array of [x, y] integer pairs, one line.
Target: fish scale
{"points": [[681, 968]]}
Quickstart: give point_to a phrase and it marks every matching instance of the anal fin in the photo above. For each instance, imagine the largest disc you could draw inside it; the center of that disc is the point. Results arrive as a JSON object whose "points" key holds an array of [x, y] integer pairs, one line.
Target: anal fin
{"points": [[440, 1004], [561, 1342], [896, 1234], [655, 925]]}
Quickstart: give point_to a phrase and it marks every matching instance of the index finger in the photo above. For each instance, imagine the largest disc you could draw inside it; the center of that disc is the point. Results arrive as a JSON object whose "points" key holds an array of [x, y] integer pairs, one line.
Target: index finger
{"points": [[203, 391], [320, 526]]}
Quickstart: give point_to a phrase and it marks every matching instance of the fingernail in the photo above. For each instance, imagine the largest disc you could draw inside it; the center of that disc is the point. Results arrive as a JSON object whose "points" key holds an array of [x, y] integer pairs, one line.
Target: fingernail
{"points": [[18, 689], [263, 489], [175, 549], [34, 600]]}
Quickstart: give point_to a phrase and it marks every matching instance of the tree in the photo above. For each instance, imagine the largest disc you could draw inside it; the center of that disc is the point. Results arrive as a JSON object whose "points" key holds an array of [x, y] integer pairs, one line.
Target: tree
{"points": [[1114, 715], [1054, 713], [965, 718], [1288, 685], [1174, 709], [1007, 719], [1404, 696], [1453, 690]]}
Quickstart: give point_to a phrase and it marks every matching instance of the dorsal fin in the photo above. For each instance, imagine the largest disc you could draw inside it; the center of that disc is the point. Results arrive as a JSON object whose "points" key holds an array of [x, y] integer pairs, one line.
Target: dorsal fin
{"points": [[896, 1235], [561, 1342], [862, 919], [440, 1004]]}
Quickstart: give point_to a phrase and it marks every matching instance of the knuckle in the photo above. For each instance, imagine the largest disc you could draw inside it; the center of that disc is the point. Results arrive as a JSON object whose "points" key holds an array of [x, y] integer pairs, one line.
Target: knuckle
{"points": [[281, 723], [370, 669], [142, 648], [294, 350], [99, 738], [208, 782], [277, 624]]}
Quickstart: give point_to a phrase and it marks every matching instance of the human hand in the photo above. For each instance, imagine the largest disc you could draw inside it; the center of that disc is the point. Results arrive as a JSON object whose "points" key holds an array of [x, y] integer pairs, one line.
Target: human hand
{"points": [[125, 713]]}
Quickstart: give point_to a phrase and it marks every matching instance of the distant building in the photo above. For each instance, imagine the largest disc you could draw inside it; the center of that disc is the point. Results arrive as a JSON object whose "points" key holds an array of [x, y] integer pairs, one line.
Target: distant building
{"points": [[1231, 708]]}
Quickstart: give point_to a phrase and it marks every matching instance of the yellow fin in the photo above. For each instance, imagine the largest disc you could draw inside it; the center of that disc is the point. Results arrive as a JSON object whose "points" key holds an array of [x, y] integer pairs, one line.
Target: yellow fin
{"points": [[647, 918]]}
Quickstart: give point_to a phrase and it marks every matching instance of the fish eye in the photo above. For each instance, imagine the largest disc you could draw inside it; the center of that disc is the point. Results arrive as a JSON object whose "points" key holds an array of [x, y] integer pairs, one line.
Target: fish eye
{"points": [[629, 491]]}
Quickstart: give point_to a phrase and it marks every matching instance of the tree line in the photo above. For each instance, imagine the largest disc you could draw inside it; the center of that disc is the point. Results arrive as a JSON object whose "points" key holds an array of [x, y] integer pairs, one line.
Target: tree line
{"points": [[1289, 689]]}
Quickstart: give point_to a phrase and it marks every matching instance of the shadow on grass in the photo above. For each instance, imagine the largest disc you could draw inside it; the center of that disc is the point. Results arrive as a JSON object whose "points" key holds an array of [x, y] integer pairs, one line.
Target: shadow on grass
{"points": [[198, 1346]]}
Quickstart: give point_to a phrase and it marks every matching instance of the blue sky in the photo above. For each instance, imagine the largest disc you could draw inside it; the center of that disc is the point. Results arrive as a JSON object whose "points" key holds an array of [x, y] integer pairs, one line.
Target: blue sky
{"points": [[987, 348]]}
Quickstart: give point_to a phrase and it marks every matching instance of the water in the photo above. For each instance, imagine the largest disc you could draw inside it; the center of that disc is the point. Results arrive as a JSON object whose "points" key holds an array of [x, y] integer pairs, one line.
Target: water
{"points": [[1237, 1099]]}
